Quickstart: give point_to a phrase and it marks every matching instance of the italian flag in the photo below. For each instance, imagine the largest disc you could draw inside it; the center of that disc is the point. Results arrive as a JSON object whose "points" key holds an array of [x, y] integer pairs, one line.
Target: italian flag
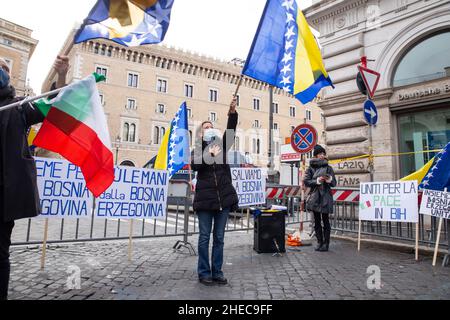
{"points": [[75, 127]]}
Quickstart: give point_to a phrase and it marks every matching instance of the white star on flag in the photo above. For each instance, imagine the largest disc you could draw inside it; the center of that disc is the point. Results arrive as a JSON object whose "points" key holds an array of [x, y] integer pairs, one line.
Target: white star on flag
{"points": [[286, 80], [289, 17], [154, 28], [287, 57], [286, 69], [288, 4], [425, 183], [290, 32], [287, 89], [289, 44], [163, 14], [134, 42], [430, 175]]}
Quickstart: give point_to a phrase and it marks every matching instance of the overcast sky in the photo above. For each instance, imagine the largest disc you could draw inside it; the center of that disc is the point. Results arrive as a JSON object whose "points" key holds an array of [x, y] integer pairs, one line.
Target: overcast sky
{"points": [[220, 28]]}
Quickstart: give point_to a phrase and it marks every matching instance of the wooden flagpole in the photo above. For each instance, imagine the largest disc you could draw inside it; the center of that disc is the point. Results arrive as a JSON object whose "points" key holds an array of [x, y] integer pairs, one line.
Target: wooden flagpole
{"points": [[438, 238], [130, 242], [44, 245], [417, 241], [359, 235]]}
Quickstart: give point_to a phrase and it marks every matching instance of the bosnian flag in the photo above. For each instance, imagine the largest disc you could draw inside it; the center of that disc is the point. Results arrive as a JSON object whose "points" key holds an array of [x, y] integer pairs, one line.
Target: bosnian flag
{"points": [[75, 127]]}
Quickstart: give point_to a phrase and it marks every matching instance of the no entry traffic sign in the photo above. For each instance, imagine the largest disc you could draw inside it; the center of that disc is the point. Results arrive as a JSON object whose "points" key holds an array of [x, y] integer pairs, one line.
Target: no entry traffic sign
{"points": [[304, 138]]}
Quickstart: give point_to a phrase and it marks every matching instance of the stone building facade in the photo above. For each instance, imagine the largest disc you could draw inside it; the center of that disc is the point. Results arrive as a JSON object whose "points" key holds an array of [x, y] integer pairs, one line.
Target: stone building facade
{"points": [[146, 85], [17, 47], [410, 43]]}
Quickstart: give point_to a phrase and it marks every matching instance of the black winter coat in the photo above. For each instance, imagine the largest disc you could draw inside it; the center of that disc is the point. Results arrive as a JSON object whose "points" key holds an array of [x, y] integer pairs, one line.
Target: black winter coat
{"points": [[320, 198], [214, 190], [19, 196]]}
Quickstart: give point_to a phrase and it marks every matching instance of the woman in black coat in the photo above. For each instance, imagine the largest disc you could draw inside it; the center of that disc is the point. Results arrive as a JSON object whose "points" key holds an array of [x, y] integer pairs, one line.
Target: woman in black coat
{"points": [[320, 178], [215, 196], [19, 197]]}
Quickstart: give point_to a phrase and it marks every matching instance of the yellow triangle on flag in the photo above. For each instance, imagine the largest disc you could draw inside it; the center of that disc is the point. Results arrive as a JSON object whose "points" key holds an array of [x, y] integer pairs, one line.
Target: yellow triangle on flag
{"points": [[419, 174], [163, 156], [31, 135]]}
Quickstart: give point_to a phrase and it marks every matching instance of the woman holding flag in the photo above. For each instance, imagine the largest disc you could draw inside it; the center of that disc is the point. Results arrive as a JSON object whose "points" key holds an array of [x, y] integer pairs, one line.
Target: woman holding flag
{"points": [[215, 196]]}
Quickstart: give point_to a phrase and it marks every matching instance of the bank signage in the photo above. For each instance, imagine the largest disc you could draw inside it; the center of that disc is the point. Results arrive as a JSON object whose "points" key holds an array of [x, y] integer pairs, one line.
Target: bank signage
{"points": [[422, 93]]}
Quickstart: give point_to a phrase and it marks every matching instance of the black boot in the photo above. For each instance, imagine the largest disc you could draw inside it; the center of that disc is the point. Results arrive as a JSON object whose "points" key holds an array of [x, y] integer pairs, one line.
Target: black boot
{"points": [[319, 246], [324, 247]]}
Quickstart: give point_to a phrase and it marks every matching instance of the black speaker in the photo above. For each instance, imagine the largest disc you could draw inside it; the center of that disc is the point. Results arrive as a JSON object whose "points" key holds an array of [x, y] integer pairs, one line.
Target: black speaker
{"points": [[270, 230]]}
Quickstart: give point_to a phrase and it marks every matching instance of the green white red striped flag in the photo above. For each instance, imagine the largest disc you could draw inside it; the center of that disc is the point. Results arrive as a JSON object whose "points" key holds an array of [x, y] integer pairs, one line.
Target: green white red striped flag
{"points": [[75, 127]]}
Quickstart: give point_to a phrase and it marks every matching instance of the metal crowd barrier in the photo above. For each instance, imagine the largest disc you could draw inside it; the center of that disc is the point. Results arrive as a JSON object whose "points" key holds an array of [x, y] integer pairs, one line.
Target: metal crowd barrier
{"points": [[180, 221], [346, 220]]}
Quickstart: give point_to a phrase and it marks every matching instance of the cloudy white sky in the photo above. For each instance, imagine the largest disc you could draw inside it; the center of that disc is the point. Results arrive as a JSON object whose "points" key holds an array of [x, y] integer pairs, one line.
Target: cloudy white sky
{"points": [[223, 29]]}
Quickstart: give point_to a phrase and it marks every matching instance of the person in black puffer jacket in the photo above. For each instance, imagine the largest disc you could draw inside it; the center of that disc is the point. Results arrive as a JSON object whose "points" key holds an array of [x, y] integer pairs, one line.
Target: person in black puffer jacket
{"points": [[19, 197], [320, 178], [215, 196]]}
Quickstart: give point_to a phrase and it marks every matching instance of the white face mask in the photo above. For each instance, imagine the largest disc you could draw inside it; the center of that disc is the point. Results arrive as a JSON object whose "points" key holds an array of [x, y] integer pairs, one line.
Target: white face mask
{"points": [[211, 134]]}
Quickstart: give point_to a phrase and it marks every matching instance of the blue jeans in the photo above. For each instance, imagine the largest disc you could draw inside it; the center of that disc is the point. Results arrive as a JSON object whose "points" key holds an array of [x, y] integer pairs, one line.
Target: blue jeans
{"points": [[205, 219]]}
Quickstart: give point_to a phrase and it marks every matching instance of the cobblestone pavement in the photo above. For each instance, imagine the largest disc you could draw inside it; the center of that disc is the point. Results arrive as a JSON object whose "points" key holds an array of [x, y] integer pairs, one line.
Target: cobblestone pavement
{"points": [[157, 272]]}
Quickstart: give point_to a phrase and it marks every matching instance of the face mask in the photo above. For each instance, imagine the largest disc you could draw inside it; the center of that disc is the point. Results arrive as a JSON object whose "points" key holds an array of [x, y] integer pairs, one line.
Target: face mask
{"points": [[4, 79], [210, 134]]}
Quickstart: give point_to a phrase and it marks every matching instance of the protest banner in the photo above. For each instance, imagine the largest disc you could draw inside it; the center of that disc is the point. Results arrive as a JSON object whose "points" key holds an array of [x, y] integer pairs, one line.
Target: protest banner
{"points": [[250, 185], [436, 204], [395, 201], [134, 194], [62, 189]]}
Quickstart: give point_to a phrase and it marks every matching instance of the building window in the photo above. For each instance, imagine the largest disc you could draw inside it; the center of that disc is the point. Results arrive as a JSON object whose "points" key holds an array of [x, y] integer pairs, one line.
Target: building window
{"points": [[133, 80], [103, 71], [189, 90], [426, 60], [212, 116], [308, 114], [275, 107], [189, 113], [277, 148], [275, 126], [7, 42], [238, 100], [236, 146], [131, 104], [190, 137], [256, 124], [161, 108], [292, 112], [213, 95], [256, 104], [257, 146], [129, 132], [102, 99], [158, 134], [292, 129], [161, 86], [419, 132]]}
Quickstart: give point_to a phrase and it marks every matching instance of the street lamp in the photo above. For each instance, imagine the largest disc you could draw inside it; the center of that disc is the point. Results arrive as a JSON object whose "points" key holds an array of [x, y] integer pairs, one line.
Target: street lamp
{"points": [[117, 148]]}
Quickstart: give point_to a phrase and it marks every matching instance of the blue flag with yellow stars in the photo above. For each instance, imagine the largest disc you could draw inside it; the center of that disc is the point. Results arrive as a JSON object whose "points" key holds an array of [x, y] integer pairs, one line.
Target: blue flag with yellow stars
{"points": [[128, 22]]}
